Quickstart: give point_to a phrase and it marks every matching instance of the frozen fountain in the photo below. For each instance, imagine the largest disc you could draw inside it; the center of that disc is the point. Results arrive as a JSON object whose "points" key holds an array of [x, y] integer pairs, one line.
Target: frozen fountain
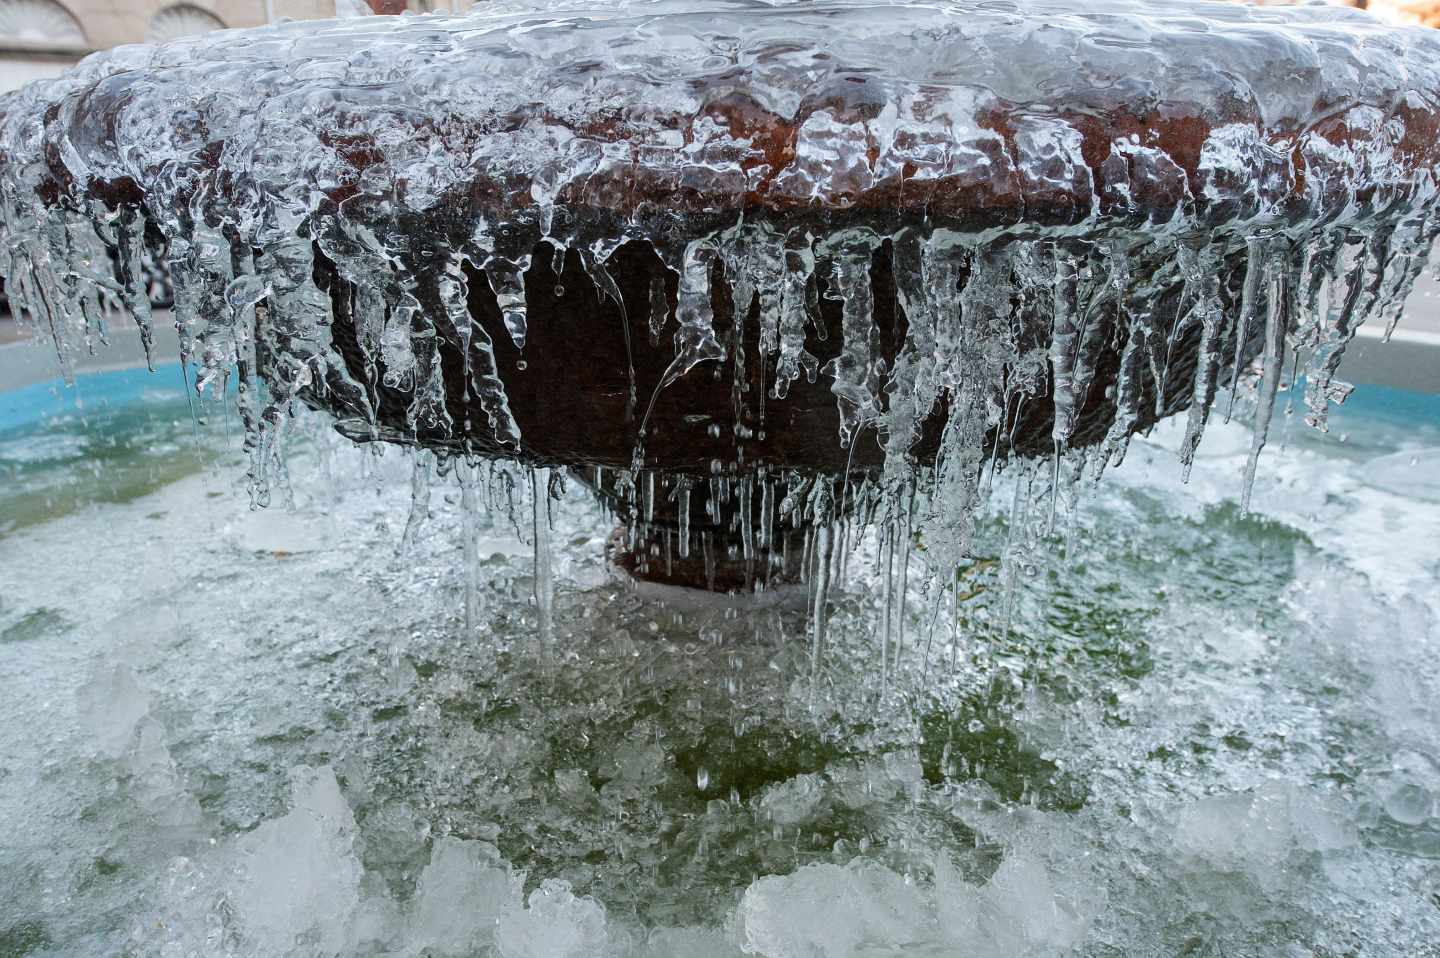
{"points": [[949, 235], [767, 278]]}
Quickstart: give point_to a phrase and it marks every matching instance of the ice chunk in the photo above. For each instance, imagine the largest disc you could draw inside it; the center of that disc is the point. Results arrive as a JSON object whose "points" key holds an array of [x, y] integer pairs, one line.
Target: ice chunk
{"points": [[686, 943], [157, 783], [111, 706], [1407, 790], [794, 800], [394, 833], [461, 897], [1022, 910], [1257, 831], [556, 924], [1408, 803], [830, 911], [298, 879]]}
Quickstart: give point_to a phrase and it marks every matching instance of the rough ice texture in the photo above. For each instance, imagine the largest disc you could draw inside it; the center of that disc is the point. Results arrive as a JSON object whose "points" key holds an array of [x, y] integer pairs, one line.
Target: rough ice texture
{"points": [[1089, 219], [831, 910], [298, 875], [112, 704], [462, 893]]}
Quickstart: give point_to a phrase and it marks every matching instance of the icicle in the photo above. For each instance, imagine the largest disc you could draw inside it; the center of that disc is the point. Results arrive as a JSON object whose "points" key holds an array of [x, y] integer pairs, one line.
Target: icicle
{"points": [[766, 514], [293, 333], [954, 620], [659, 308], [914, 383], [507, 280], [695, 340], [1016, 545], [1201, 269], [820, 515], [482, 372], [599, 274], [419, 500], [130, 266], [466, 475], [397, 352], [767, 263], [1255, 262], [1414, 239], [1356, 291], [544, 572], [747, 519], [1273, 361], [1105, 279], [1064, 336], [855, 375], [558, 253], [1128, 392], [887, 579], [796, 310], [596, 267], [906, 548], [819, 611], [682, 506]]}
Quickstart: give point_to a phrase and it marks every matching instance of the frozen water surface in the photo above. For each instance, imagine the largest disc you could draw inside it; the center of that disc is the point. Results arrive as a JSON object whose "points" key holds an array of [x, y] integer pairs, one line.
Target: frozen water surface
{"points": [[1187, 731]]}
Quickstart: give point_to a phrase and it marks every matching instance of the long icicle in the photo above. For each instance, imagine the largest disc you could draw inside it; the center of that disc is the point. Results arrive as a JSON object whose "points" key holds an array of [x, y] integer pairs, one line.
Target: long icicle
{"points": [[544, 572], [465, 472], [1276, 320]]}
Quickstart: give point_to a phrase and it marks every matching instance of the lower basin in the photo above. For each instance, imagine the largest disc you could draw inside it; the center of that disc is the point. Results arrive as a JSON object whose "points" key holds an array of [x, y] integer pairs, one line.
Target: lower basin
{"points": [[1186, 731]]}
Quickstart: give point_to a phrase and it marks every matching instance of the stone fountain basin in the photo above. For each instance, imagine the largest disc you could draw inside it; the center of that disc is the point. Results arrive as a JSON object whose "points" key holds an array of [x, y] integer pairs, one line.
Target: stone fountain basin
{"points": [[625, 134]]}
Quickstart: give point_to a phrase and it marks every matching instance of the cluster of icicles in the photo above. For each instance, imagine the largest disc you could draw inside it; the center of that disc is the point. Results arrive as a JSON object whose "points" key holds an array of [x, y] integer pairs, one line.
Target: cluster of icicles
{"points": [[989, 319], [997, 318], [990, 324], [1022, 326]]}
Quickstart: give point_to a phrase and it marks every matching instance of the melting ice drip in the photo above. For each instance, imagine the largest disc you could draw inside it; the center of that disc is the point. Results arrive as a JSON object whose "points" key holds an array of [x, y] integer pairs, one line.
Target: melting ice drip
{"points": [[1100, 216]]}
